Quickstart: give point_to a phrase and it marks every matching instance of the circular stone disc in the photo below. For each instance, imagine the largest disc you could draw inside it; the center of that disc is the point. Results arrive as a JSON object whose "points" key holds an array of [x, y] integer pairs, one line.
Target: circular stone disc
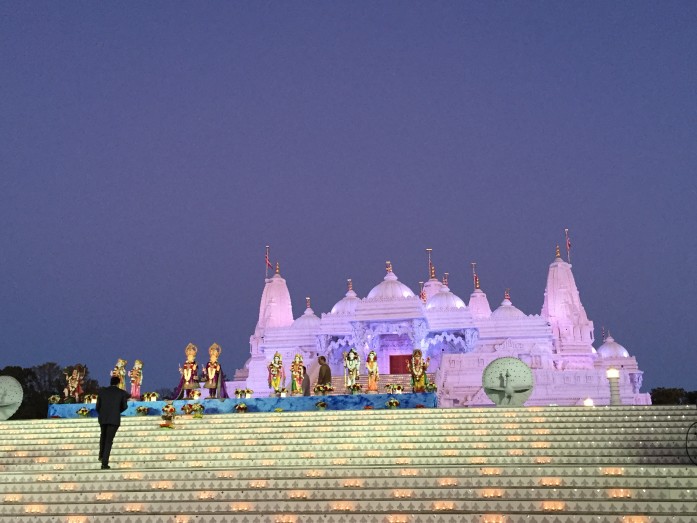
{"points": [[507, 382], [11, 395]]}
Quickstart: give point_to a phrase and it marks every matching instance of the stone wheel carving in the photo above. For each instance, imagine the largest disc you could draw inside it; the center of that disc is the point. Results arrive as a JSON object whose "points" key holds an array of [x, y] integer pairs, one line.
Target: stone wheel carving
{"points": [[11, 395], [508, 382], [691, 443]]}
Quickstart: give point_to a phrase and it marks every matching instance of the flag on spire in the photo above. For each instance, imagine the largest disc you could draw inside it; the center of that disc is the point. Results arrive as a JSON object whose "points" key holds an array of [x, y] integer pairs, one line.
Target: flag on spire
{"points": [[568, 245], [268, 262]]}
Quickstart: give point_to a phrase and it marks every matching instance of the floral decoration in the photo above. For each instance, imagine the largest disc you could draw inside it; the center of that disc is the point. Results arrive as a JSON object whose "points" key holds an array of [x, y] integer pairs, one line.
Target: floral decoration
{"points": [[54, 399], [142, 410], [431, 387], [193, 408], [392, 403], [323, 388], [90, 398], [84, 412], [241, 407], [321, 405], [394, 388], [278, 409], [356, 387]]}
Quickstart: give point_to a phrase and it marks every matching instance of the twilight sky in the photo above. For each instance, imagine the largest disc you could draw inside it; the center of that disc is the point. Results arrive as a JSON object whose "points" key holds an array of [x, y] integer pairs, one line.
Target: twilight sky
{"points": [[149, 151]]}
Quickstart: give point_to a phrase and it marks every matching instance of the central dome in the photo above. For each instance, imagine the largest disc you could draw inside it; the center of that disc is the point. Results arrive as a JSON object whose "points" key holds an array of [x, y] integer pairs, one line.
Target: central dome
{"points": [[507, 311], [390, 289], [612, 349], [445, 299]]}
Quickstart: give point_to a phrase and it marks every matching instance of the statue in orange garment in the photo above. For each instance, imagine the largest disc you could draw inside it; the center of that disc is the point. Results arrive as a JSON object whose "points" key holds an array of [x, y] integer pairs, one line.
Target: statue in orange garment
{"points": [[136, 376], [417, 368], [371, 366], [120, 372]]}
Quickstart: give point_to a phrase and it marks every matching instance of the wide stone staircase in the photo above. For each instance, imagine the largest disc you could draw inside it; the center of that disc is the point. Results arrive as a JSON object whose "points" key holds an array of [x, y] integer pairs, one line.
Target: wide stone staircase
{"points": [[512, 465]]}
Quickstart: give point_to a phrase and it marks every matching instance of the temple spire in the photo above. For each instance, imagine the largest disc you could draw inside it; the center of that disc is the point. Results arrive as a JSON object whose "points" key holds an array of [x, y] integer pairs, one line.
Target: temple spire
{"points": [[278, 268], [558, 252], [388, 266], [445, 278], [307, 301], [507, 295], [349, 283]]}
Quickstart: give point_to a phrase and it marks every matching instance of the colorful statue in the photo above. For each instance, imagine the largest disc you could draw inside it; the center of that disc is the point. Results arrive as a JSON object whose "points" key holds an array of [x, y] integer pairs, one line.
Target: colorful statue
{"points": [[73, 383], [352, 367], [297, 373], [417, 368], [212, 374], [136, 376], [277, 376], [189, 371], [120, 372], [371, 366]]}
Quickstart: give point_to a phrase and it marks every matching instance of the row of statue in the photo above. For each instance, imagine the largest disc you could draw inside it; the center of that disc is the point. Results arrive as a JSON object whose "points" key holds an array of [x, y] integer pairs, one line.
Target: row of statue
{"points": [[299, 383], [211, 375]]}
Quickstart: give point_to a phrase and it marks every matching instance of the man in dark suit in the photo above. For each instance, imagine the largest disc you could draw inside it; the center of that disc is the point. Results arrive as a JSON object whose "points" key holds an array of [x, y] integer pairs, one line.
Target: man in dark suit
{"points": [[111, 402]]}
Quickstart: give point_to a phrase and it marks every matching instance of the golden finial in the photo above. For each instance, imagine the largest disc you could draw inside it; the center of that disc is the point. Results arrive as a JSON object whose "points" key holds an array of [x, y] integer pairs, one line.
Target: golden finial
{"points": [[476, 282], [388, 266], [445, 278], [558, 253], [307, 301], [432, 275], [350, 284], [507, 295], [422, 294], [278, 268]]}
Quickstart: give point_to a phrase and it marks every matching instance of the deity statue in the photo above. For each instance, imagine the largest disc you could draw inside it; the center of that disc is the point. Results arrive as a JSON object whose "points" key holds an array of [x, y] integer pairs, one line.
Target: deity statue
{"points": [[352, 366], [277, 375], [73, 383], [212, 374], [120, 372], [417, 368], [136, 376], [297, 373], [189, 372], [371, 365]]}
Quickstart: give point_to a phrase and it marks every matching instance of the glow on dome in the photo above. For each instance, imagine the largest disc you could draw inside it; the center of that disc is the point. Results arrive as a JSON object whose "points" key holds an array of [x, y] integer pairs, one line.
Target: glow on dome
{"points": [[612, 349]]}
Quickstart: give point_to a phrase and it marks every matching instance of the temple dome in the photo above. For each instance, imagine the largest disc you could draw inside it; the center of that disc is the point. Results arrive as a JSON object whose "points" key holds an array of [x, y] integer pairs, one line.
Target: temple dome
{"points": [[611, 349], [347, 305], [308, 321], [445, 299], [507, 311], [390, 289]]}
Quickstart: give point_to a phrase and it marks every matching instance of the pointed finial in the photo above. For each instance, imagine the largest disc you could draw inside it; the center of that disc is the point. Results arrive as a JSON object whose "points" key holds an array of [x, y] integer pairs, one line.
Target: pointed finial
{"points": [[278, 268], [432, 274], [507, 295], [388, 266], [445, 278], [474, 275], [307, 301], [350, 284], [422, 294], [430, 263], [558, 253], [476, 282]]}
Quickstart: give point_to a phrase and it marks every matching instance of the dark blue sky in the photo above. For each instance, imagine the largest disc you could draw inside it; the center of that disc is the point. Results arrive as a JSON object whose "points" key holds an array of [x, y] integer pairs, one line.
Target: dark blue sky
{"points": [[149, 151]]}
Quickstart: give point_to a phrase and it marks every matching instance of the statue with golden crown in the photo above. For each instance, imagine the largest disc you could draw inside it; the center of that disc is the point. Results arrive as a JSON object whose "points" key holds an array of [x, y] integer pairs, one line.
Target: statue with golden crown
{"points": [[119, 371], [212, 374], [352, 367], [371, 367], [297, 373], [417, 368], [73, 383], [136, 376], [189, 374], [277, 375]]}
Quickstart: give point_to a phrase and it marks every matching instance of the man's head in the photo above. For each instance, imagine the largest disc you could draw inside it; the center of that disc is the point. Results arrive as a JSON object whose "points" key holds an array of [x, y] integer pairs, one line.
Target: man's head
{"points": [[322, 360], [114, 380]]}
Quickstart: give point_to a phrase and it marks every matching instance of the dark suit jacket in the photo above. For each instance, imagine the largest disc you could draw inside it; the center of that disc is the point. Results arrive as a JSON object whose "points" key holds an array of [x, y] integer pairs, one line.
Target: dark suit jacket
{"points": [[111, 402]]}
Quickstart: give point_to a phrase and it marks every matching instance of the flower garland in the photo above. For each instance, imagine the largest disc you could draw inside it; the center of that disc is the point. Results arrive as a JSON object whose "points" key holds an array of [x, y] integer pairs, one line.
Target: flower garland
{"points": [[323, 389]]}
